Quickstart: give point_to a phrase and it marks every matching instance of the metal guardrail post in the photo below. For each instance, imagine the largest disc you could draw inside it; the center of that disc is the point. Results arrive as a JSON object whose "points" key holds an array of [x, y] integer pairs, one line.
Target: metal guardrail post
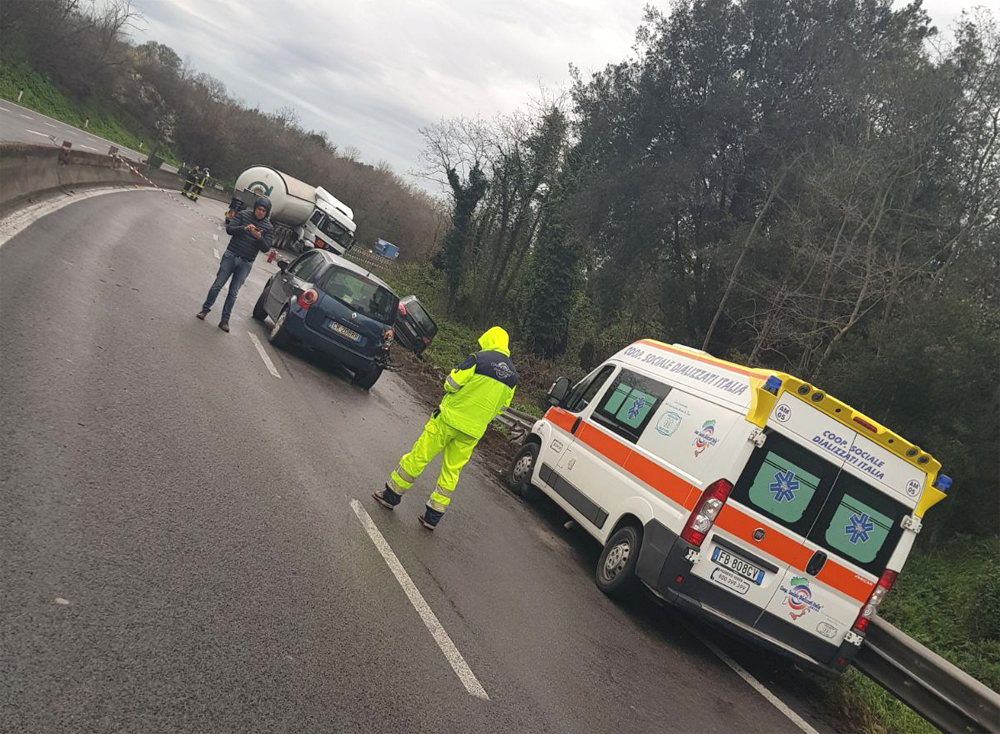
{"points": [[946, 696]]}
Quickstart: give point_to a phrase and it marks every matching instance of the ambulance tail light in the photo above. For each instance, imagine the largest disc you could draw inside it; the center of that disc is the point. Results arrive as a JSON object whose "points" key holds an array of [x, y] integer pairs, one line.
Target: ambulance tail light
{"points": [[704, 513], [878, 594]]}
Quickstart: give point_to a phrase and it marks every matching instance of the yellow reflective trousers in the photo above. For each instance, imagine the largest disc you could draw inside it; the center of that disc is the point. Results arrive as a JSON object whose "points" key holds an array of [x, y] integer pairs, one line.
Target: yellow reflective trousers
{"points": [[438, 437]]}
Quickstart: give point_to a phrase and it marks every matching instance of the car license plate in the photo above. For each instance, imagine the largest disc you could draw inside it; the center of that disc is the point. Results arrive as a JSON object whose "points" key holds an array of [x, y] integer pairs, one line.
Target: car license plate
{"points": [[734, 563], [344, 331]]}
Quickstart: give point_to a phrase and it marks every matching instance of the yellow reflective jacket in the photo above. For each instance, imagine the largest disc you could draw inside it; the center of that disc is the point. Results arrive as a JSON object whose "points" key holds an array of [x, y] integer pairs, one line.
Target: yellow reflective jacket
{"points": [[481, 387]]}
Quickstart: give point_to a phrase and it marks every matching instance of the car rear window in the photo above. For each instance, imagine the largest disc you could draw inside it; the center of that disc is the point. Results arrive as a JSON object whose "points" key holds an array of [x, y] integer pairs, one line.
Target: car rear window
{"points": [[423, 319], [360, 294]]}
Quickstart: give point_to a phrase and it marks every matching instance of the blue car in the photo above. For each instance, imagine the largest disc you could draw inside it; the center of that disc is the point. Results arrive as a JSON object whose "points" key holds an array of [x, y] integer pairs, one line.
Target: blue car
{"points": [[333, 306]]}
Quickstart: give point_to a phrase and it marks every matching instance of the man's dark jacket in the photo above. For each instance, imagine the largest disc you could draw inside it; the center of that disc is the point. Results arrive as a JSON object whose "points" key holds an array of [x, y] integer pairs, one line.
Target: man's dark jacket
{"points": [[243, 244]]}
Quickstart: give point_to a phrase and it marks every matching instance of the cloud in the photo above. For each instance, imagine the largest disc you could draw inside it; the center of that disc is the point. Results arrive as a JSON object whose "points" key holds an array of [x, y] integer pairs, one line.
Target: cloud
{"points": [[370, 74]]}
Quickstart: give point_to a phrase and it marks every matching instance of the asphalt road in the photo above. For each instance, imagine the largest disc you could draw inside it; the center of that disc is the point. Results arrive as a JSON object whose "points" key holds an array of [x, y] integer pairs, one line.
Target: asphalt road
{"points": [[180, 552], [21, 125]]}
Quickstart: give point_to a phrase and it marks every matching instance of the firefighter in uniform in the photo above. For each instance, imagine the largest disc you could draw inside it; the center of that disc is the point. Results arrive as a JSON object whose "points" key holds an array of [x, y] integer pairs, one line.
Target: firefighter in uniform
{"points": [[476, 392], [200, 181], [192, 180]]}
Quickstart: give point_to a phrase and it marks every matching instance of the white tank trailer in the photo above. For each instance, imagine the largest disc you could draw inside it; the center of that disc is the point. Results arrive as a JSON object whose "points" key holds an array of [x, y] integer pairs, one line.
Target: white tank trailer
{"points": [[304, 216]]}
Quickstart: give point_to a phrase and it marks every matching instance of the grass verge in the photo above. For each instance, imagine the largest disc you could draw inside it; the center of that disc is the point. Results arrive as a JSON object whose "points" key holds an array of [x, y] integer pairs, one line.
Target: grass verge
{"points": [[41, 95]]}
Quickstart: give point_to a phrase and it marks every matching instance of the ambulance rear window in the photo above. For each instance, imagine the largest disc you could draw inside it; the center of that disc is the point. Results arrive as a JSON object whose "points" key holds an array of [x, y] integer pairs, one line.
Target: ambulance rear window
{"points": [[785, 482], [859, 523]]}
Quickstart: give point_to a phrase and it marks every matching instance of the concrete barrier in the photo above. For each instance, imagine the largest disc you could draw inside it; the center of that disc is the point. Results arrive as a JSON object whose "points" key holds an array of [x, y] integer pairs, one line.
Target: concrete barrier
{"points": [[28, 172]]}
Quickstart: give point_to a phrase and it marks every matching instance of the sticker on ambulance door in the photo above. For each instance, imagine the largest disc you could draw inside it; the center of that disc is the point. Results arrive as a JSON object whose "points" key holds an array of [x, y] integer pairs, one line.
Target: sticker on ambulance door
{"points": [[783, 489], [857, 530]]}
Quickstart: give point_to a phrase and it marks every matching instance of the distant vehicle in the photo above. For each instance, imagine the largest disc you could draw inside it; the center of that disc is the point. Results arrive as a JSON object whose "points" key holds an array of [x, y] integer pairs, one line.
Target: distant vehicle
{"points": [[333, 306], [304, 216], [415, 329], [385, 249], [744, 495]]}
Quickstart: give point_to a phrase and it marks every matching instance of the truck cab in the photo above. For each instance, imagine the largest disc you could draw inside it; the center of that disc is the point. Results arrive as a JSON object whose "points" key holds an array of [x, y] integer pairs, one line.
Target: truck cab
{"points": [[328, 228]]}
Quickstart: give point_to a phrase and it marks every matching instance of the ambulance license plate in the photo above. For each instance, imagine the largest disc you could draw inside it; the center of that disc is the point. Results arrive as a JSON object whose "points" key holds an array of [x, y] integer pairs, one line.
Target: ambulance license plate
{"points": [[747, 570], [344, 331]]}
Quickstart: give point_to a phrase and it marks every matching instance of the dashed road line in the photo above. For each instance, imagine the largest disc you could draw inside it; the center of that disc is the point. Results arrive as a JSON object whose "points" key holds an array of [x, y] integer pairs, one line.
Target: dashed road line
{"points": [[263, 355], [50, 125], [4, 109], [35, 132], [26, 117], [215, 238], [759, 687], [214, 252], [89, 148], [451, 653]]}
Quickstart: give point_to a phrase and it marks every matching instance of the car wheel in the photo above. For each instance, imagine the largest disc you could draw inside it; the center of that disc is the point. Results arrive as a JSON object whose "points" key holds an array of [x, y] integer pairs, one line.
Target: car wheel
{"points": [[278, 335], [368, 379], [616, 568], [258, 308], [520, 470]]}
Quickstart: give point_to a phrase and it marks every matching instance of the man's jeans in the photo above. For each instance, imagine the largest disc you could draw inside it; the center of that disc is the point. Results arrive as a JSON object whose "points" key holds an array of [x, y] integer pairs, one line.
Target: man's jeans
{"points": [[236, 267]]}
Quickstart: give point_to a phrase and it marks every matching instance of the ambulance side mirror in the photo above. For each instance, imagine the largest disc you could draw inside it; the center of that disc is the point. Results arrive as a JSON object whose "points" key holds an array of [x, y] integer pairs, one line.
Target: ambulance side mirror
{"points": [[559, 391]]}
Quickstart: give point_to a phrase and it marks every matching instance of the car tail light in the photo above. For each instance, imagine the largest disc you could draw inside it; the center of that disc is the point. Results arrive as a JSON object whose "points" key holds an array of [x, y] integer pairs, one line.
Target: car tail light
{"points": [[427, 341], [878, 594], [320, 244], [389, 334], [307, 298], [705, 511], [402, 309]]}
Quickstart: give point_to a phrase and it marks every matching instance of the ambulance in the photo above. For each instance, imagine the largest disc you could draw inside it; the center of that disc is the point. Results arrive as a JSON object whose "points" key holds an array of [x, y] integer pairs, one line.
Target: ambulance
{"points": [[747, 496]]}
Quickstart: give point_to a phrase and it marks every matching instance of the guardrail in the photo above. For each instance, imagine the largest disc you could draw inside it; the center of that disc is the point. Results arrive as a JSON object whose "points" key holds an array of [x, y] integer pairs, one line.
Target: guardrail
{"points": [[517, 423], [943, 694], [948, 697], [370, 260]]}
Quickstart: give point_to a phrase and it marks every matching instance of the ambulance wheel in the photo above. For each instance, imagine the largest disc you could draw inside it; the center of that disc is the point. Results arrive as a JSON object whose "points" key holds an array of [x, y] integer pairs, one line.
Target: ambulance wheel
{"points": [[522, 466], [616, 567]]}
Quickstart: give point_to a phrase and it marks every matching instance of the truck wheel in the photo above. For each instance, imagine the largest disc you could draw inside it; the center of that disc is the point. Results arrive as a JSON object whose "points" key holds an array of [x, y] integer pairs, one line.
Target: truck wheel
{"points": [[367, 380], [616, 567], [522, 466], [258, 308], [278, 335]]}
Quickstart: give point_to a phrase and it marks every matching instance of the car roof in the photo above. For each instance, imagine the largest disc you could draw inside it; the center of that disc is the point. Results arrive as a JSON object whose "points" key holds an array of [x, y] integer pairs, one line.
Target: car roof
{"points": [[346, 264]]}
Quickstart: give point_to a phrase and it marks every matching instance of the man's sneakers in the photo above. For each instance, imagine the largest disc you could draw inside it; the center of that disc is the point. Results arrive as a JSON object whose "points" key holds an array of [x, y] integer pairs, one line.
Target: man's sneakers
{"points": [[387, 498], [201, 315], [430, 518], [224, 325]]}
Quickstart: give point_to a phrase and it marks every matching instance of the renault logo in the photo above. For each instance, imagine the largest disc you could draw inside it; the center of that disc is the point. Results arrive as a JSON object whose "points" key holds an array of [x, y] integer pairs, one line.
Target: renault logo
{"points": [[354, 315]]}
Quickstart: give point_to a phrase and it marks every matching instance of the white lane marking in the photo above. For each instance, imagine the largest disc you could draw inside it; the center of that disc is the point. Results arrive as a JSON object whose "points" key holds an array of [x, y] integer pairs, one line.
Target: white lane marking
{"points": [[451, 653], [26, 117], [49, 124], [214, 251], [759, 687], [60, 600], [215, 238], [35, 132], [263, 355], [13, 225], [4, 109], [89, 148]]}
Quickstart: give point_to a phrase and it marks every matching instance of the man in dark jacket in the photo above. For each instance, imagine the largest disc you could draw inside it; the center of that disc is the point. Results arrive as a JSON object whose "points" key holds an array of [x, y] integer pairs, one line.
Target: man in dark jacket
{"points": [[251, 231]]}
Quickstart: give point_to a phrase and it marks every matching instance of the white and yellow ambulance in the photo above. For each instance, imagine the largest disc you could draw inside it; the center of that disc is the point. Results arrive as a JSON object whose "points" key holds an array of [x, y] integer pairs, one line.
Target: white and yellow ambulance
{"points": [[748, 496]]}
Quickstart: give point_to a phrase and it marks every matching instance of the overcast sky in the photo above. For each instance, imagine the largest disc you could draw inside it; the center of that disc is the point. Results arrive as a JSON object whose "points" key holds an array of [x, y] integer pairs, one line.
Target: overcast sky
{"points": [[370, 73]]}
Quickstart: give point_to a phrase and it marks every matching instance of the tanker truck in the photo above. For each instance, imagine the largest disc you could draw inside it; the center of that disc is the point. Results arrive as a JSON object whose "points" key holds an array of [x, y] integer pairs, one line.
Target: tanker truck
{"points": [[304, 216]]}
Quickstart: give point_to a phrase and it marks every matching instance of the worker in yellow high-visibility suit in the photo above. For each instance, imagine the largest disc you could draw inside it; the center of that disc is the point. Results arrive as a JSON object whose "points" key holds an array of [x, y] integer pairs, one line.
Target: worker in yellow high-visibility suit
{"points": [[476, 392]]}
